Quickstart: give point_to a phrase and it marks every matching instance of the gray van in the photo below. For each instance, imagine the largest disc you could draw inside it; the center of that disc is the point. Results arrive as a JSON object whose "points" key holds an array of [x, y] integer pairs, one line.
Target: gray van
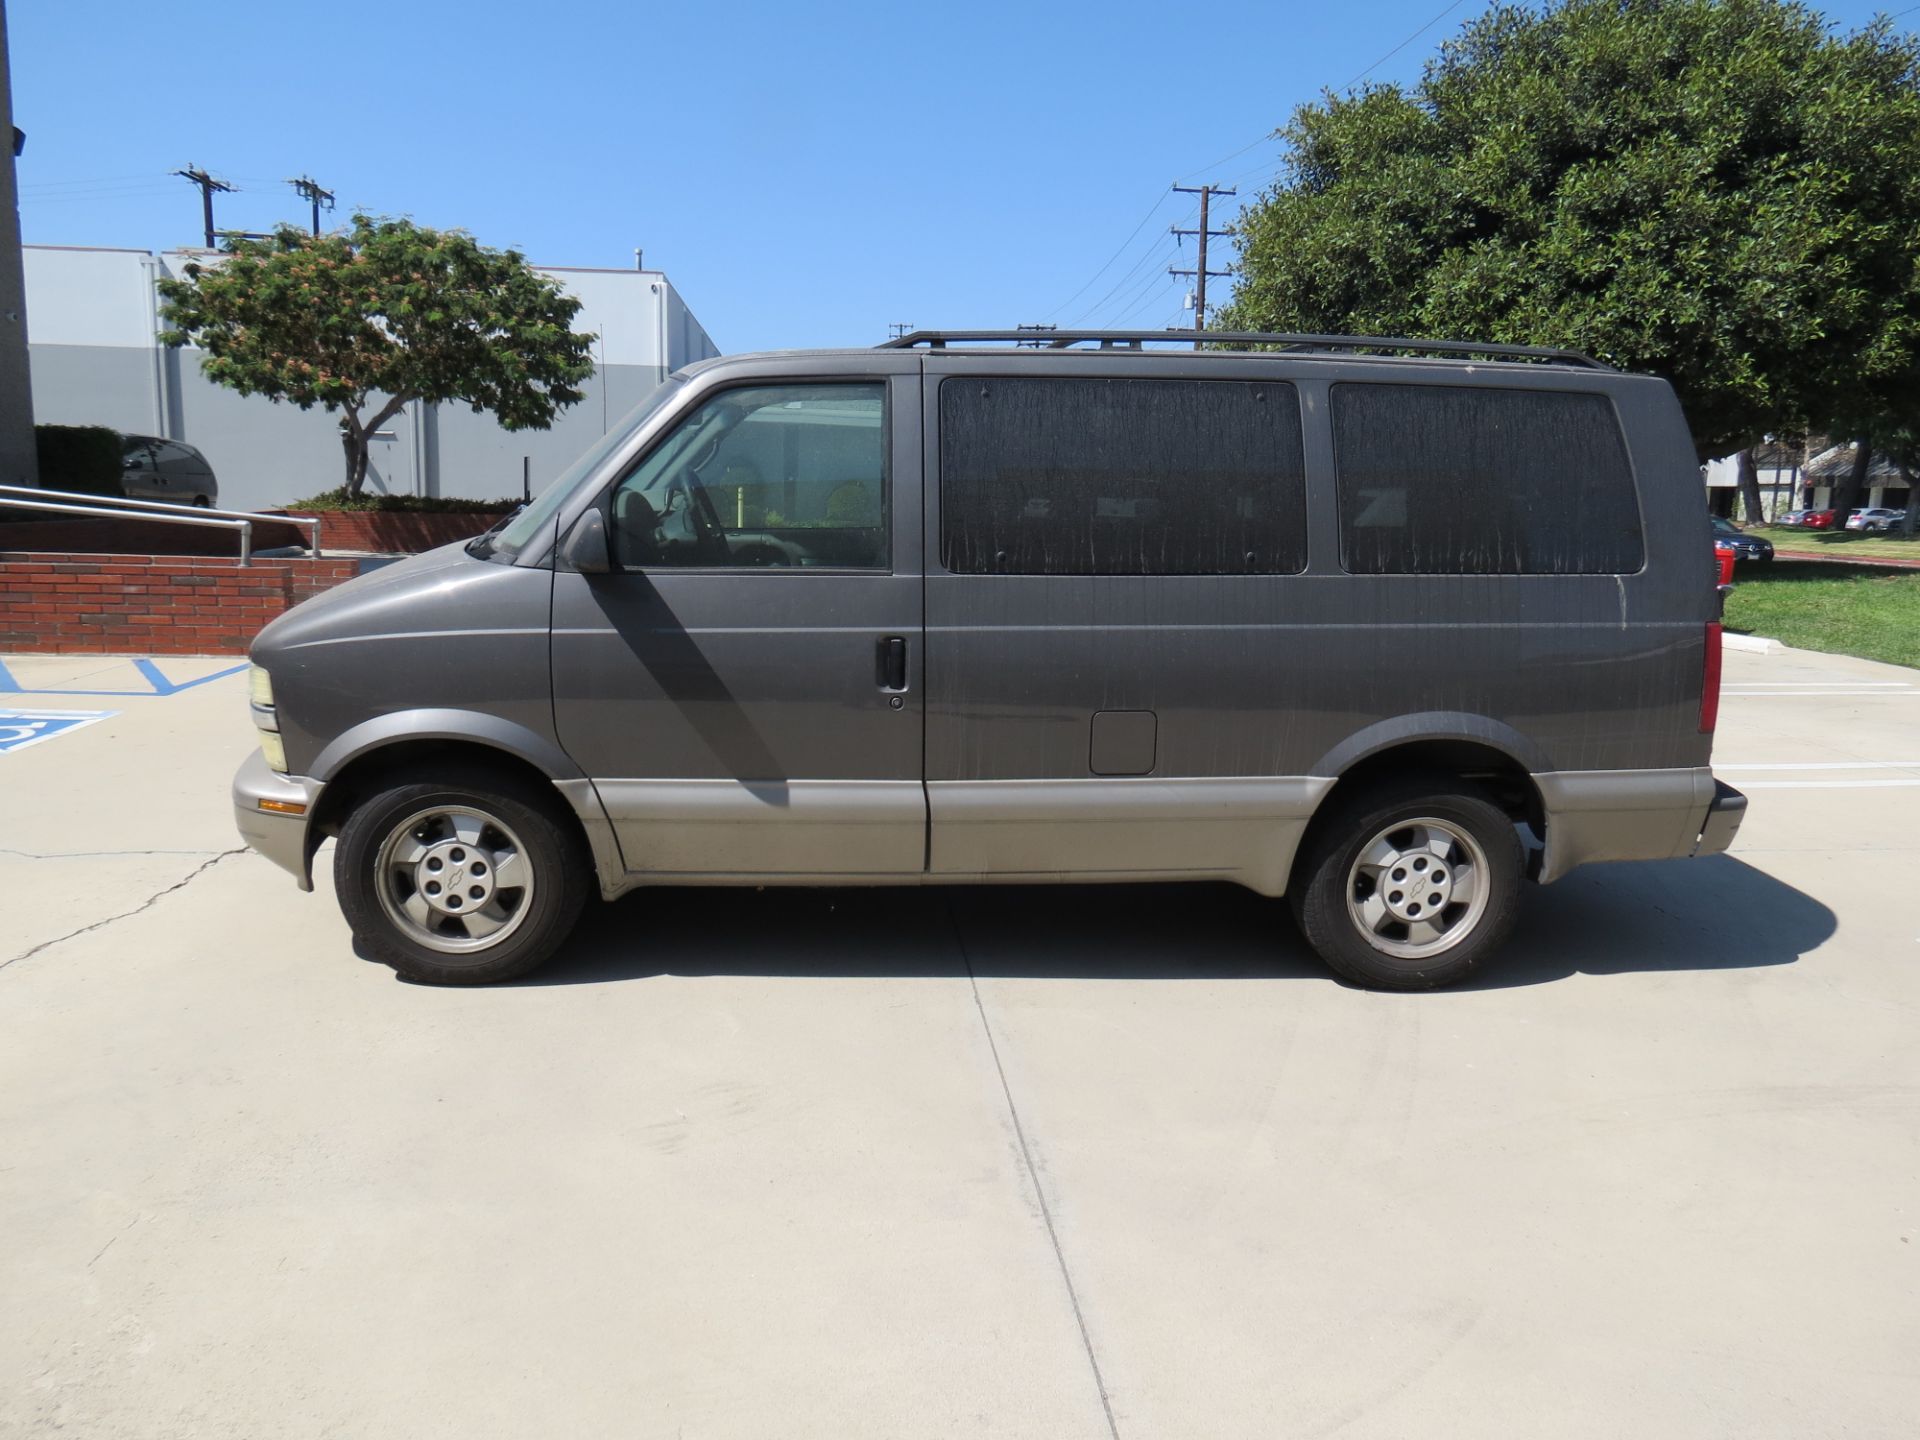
{"points": [[153, 468], [1384, 626]]}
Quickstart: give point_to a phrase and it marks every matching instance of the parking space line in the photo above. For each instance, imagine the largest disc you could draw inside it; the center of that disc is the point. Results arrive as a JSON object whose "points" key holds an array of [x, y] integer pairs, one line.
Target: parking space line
{"points": [[159, 686], [1830, 784], [1821, 765]]}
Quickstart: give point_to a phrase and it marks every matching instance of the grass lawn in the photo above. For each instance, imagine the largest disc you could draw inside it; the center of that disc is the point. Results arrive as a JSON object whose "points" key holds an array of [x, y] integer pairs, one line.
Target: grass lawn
{"points": [[1839, 542], [1845, 609]]}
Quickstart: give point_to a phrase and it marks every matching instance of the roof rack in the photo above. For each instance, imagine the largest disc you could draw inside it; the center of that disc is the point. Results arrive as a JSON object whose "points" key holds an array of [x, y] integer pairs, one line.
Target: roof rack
{"points": [[1234, 340]]}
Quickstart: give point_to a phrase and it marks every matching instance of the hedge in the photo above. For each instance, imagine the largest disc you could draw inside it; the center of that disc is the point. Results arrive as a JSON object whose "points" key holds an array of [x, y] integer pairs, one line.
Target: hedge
{"points": [[80, 459]]}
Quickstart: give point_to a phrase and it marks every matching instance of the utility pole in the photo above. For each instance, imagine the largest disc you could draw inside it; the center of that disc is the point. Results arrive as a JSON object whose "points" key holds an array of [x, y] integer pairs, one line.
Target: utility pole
{"points": [[1037, 342], [1206, 193], [207, 186], [307, 189], [899, 328]]}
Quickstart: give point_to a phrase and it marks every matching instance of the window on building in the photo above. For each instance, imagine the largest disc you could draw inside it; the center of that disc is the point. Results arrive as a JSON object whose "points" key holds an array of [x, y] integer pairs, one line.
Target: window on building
{"points": [[1044, 476], [1450, 480], [774, 475]]}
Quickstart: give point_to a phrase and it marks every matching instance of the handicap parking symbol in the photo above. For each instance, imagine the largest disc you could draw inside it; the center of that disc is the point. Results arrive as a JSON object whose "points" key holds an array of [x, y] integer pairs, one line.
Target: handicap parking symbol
{"points": [[21, 728]]}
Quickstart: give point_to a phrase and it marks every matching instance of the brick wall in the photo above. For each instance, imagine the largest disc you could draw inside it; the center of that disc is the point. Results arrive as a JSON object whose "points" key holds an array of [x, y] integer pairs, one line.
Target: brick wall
{"points": [[97, 604], [395, 531]]}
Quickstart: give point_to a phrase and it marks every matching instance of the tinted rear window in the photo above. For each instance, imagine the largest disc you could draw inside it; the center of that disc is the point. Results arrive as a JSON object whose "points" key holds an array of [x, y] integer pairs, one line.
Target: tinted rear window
{"points": [[1046, 476], [1446, 480]]}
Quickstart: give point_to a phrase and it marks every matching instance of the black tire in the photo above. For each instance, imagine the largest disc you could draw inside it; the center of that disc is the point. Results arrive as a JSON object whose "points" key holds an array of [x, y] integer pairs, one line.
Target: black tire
{"points": [[1322, 875], [546, 840]]}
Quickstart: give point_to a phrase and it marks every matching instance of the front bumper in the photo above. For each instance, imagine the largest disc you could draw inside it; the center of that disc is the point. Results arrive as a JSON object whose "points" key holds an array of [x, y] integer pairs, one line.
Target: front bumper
{"points": [[1724, 813], [279, 836]]}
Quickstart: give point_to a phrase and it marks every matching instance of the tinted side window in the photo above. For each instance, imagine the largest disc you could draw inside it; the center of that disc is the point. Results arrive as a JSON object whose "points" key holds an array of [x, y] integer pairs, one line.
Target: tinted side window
{"points": [[1446, 480], [1120, 477]]}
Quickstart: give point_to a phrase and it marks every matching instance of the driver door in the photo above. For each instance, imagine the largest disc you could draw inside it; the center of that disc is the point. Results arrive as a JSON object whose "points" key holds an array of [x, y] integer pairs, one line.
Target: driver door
{"points": [[744, 688]]}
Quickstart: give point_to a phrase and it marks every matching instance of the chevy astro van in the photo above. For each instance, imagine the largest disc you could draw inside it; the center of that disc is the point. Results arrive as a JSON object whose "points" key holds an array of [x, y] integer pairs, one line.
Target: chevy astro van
{"points": [[1386, 627]]}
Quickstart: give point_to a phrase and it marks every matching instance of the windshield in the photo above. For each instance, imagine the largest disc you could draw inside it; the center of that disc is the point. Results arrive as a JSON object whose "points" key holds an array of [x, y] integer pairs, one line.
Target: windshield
{"points": [[506, 544]]}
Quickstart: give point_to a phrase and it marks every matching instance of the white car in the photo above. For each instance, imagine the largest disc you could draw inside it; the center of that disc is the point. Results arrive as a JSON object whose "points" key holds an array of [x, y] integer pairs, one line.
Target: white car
{"points": [[1875, 519]]}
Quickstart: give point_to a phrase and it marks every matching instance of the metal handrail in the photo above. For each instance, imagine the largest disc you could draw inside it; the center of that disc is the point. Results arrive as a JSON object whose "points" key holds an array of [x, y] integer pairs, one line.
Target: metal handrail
{"points": [[165, 507], [1236, 339], [191, 517]]}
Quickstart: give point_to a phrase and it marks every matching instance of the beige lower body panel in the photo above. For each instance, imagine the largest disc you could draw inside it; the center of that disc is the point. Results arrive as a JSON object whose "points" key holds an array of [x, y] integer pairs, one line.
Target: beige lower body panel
{"points": [[1244, 830], [823, 832], [1621, 815], [829, 829]]}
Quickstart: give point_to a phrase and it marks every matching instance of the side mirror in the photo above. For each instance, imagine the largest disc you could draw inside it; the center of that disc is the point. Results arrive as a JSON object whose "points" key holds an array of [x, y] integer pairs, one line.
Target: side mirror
{"points": [[586, 550]]}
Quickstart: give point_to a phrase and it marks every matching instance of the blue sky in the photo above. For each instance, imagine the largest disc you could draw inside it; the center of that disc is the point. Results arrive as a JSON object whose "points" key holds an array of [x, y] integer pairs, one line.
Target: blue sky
{"points": [[805, 172]]}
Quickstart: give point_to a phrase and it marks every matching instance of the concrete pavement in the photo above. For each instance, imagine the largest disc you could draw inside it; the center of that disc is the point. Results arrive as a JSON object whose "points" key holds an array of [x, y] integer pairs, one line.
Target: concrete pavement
{"points": [[1013, 1162]]}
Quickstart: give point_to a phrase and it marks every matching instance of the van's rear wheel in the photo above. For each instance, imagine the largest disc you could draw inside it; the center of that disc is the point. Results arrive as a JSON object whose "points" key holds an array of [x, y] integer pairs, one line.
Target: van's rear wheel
{"points": [[460, 879], [1410, 885]]}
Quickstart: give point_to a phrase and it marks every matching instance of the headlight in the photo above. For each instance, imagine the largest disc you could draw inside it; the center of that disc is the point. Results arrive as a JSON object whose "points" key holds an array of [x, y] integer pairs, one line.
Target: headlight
{"points": [[275, 749], [259, 687]]}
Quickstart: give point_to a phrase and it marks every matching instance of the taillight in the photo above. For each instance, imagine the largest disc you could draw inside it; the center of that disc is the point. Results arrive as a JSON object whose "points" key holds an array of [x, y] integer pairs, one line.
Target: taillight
{"points": [[1710, 680]]}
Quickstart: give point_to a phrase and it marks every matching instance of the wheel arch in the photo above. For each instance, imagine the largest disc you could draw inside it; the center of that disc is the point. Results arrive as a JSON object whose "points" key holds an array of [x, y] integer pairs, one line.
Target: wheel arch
{"points": [[381, 761], [1492, 756]]}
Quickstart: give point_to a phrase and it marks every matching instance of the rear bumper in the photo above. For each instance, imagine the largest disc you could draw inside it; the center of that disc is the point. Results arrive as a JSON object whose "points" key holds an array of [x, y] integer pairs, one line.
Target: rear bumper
{"points": [[1724, 813], [1596, 815], [279, 836]]}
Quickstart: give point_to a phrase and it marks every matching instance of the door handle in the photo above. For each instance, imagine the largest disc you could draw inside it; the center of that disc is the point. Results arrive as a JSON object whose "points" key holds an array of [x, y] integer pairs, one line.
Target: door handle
{"points": [[891, 666]]}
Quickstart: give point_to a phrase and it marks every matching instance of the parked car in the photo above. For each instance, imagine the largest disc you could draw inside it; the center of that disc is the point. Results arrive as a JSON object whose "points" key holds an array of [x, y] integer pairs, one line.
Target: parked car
{"points": [[1384, 634], [1875, 518], [1729, 536], [1814, 519], [158, 469]]}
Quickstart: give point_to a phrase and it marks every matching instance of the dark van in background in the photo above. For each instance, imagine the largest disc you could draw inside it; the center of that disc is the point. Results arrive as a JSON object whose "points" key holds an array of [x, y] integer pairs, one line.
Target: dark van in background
{"points": [[1384, 626]]}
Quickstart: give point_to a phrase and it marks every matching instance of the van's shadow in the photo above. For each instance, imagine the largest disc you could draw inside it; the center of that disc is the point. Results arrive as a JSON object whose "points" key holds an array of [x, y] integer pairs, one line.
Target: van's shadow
{"points": [[1713, 914]]}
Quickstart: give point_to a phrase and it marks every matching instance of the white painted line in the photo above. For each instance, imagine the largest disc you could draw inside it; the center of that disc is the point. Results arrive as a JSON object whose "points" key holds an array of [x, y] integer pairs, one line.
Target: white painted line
{"points": [[1830, 784], [1752, 644], [1803, 684], [1811, 694], [1833, 765]]}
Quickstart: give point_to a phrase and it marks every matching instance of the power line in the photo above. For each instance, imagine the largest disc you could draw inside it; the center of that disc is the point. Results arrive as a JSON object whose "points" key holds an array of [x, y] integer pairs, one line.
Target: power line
{"points": [[1110, 259], [1144, 289], [1403, 44], [1151, 260], [1260, 140], [1146, 270]]}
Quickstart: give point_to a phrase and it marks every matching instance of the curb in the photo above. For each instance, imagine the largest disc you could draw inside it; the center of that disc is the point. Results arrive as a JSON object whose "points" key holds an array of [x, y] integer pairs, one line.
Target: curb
{"points": [[1753, 644]]}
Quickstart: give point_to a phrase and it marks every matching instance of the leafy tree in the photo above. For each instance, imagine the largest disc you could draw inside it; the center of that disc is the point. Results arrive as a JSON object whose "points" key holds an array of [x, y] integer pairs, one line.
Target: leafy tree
{"points": [[1718, 191], [364, 321]]}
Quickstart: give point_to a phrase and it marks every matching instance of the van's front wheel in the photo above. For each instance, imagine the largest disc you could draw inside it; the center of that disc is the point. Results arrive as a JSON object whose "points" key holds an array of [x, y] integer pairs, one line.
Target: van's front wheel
{"points": [[1410, 886], [460, 880]]}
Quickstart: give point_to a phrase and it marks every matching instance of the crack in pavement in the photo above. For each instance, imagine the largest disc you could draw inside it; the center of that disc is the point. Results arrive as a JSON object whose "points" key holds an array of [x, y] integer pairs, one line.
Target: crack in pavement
{"points": [[1033, 1178], [95, 854], [144, 905]]}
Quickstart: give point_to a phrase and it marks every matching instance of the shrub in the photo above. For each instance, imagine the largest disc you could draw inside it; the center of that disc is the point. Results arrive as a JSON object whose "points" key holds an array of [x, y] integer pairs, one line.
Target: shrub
{"points": [[79, 459], [401, 504]]}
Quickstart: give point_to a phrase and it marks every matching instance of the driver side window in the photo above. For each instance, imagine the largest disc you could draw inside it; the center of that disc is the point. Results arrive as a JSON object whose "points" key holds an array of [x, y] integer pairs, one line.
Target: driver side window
{"points": [[768, 476]]}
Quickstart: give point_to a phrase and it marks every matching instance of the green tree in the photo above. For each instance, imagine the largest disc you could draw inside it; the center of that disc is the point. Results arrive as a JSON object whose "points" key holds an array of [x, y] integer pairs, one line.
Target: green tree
{"points": [[1721, 192], [364, 321]]}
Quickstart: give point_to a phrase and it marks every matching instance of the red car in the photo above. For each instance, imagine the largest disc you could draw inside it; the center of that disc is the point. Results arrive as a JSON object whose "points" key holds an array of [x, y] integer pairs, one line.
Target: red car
{"points": [[1809, 520]]}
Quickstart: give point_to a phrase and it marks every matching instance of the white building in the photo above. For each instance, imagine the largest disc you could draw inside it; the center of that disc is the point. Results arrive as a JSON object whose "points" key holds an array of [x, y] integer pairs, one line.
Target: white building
{"points": [[93, 316]]}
